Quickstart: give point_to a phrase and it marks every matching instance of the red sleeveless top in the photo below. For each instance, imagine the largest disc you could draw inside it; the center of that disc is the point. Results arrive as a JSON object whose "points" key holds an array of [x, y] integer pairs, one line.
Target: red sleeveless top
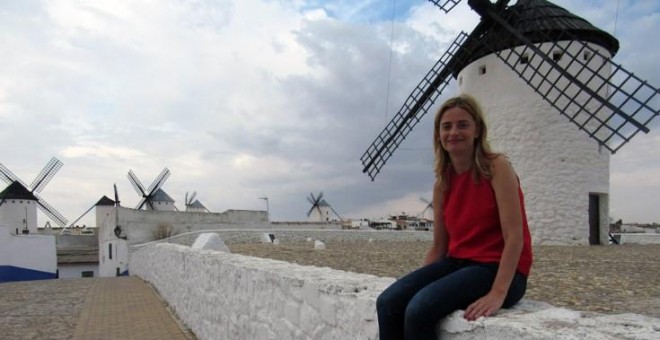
{"points": [[473, 225]]}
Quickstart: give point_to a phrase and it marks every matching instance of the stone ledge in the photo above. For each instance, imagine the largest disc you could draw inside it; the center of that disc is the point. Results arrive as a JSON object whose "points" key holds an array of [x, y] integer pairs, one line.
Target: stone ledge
{"points": [[217, 293], [541, 321]]}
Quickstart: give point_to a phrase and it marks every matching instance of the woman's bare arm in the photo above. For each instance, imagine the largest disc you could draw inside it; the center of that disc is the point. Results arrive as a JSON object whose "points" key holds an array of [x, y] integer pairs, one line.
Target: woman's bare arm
{"points": [[439, 248], [505, 184]]}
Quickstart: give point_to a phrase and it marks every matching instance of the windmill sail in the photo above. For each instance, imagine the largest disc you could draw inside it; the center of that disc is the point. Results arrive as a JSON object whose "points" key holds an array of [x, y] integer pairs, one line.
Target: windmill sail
{"points": [[147, 194], [567, 73], [46, 174], [416, 106]]}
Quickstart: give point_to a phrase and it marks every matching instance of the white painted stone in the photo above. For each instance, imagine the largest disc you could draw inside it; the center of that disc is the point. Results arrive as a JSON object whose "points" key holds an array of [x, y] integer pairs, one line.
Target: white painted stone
{"points": [[318, 245], [210, 241], [204, 294], [268, 238]]}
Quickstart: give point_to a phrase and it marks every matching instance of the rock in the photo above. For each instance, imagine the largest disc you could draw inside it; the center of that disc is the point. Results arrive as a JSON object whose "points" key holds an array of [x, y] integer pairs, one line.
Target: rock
{"points": [[210, 241], [319, 245]]}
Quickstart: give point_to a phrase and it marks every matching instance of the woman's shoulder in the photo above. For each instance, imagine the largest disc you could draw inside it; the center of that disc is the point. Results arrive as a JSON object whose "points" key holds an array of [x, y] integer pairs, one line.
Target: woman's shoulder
{"points": [[500, 164]]}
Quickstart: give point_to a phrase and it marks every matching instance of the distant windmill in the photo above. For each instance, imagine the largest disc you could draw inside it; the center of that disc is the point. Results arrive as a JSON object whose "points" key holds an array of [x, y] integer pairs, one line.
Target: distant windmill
{"points": [[555, 103], [152, 194], [429, 206], [320, 210], [194, 205], [17, 186], [104, 201]]}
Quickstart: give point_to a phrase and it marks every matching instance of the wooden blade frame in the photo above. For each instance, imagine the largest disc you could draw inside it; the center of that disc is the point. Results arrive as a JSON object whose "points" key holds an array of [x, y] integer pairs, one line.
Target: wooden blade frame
{"points": [[445, 5], [46, 175], [415, 107], [572, 76]]}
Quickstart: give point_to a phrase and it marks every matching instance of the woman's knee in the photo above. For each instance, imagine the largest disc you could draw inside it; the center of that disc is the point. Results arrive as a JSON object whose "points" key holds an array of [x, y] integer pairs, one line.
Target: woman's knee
{"points": [[385, 301]]}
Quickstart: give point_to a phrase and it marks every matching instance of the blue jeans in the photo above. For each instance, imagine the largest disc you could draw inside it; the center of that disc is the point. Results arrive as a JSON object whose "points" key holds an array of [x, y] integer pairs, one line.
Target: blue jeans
{"points": [[413, 305]]}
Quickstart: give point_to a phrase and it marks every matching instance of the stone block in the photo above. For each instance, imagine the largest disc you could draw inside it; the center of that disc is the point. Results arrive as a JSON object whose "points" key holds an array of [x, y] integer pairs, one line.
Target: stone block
{"points": [[210, 241]]}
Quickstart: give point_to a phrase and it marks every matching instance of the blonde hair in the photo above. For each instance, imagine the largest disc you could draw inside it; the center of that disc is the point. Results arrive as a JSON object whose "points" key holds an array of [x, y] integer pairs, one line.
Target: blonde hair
{"points": [[483, 155]]}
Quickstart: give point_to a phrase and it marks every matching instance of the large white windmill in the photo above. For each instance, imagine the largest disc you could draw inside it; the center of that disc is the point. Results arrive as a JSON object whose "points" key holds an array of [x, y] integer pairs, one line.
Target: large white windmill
{"points": [[556, 104], [19, 202]]}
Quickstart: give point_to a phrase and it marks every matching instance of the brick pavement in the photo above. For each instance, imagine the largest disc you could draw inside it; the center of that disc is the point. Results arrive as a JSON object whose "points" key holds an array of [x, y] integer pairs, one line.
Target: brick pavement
{"points": [[90, 308]]}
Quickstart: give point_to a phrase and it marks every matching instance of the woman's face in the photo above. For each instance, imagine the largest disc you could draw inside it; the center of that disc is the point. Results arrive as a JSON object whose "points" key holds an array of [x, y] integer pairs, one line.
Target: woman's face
{"points": [[458, 131]]}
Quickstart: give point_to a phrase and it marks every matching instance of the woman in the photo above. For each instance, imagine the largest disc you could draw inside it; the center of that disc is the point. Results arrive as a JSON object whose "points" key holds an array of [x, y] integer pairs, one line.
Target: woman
{"points": [[481, 253]]}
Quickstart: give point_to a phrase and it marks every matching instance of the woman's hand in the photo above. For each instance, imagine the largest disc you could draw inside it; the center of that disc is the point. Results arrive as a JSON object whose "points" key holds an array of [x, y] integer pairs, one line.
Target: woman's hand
{"points": [[485, 306]]}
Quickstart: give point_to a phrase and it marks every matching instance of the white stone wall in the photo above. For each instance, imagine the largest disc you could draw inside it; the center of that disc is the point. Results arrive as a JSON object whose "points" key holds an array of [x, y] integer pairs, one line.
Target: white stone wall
{"points": [[35, 252], [141, 226], [220, 295], [253, 235], [639, 238], [230, 296], [559, 165], [73, 271]]}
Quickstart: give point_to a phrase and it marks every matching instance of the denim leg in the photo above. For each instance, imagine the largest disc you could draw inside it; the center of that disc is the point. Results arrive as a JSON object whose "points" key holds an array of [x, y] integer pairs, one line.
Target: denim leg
{"points": [[392, 302], [516, 290], [440, 298]]}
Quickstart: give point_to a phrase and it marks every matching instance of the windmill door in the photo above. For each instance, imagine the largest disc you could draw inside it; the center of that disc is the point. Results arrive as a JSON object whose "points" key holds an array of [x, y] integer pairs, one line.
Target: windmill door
{"points": [[594, 219]]}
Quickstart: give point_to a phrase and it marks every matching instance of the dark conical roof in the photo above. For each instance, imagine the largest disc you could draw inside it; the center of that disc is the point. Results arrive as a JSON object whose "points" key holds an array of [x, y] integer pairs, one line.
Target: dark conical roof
{"points": [[540, 21], [161, 196], [197, 205], [105, 201], [540, 15], [16, 190]]}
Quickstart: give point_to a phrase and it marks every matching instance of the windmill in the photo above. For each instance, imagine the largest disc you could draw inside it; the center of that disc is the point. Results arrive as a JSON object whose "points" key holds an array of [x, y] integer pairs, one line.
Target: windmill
{"points": [[103, 202], [536, 56], [152, 194], [320, 210], [429, 206], [194, 205], [31, 192]]}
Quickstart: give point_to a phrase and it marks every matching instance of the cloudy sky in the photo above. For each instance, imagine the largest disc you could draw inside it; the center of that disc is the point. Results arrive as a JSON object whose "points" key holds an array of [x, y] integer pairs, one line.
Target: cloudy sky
{"points": [[253, 98]]}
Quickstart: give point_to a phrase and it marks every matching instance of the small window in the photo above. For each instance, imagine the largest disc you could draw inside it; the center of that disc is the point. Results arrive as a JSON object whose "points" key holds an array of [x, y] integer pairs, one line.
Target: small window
{"points": [[556, 55], [110, 251], [482, 70], [524, 59], [87, 273], [586, 55], [460, 81]]}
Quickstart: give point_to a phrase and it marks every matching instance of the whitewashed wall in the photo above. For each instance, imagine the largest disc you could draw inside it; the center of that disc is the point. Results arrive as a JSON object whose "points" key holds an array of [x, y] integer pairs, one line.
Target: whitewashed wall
{"points": [[559, 166], [141, 226], [228, 296], [33, 252], [15, 213], [75, 270]]}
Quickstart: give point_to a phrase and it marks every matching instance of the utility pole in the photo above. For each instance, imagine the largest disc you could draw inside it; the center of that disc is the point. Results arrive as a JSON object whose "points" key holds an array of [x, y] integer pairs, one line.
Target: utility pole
{"points": [[265, 198]]}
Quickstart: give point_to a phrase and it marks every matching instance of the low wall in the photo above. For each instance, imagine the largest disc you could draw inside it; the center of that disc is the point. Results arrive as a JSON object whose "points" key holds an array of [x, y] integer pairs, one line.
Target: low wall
{"points": [[232, 296], [639, 238], [253, 235], [26, 257], [76, 241]]}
